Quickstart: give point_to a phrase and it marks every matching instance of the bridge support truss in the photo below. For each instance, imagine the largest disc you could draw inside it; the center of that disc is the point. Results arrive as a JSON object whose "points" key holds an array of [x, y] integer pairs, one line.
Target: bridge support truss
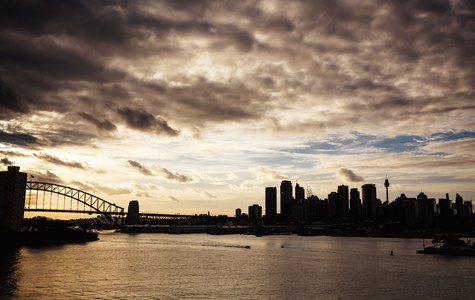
{"points": [[42, 196]]}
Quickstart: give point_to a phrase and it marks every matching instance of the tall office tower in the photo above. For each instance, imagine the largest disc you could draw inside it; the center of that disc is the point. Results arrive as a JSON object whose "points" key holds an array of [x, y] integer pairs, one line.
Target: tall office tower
{"points": [[286, 199], [343, 203], [369, 199], [355, 202], [12, 198], [386, 184], [238, 213], [299, 194], [459, 204], [255, 211], [271, 204], [333, 199]]}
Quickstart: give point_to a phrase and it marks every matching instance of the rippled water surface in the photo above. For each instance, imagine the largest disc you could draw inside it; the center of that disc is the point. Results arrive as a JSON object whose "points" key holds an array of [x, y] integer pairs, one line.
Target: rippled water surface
{"points": [[200, 266]]}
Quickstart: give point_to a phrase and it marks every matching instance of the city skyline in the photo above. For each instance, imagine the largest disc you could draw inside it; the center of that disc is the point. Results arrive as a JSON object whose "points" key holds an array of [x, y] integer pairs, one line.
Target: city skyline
{"points": [[189, 107]]}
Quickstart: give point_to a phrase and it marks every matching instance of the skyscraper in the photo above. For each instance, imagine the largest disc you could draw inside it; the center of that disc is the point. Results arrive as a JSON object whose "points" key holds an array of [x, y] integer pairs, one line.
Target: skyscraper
{"points": [[299, 194], [343, 203], [271, 204], [12, 198], [255, 211], [286, 199], [369, 200], [355, 202]]}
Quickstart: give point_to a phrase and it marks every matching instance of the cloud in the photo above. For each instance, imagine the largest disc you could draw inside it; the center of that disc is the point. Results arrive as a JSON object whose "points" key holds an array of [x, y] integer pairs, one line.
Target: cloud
{"points": [[48, 177], [205, 193], [10, 103], [160, 172], [95, 188], [173, 176], [19, 139], [349, 175], [142, 169], [58, 161], [458, 147], [105, 125], [173, 199], [271, 174], [6, 162], [141, 120]]}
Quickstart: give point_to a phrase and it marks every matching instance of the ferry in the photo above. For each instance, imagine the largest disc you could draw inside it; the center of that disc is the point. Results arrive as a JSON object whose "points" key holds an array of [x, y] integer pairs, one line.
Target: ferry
{"points": [[450, 245]]}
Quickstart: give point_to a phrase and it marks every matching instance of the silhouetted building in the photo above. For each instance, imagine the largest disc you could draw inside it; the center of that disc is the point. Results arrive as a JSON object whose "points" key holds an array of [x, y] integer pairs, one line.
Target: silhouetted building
{"points": [[133, 214], [312, 208], [298, 211], [286, 199], [299, 194], [355, 202], [333, 199], [458, 205], [370, 201], [386, 185], [397, 212], [445, 211], [255, 211], [12, 198], [238, 213], [343, 201], [411, 211], [271, 204], [467, 208]]}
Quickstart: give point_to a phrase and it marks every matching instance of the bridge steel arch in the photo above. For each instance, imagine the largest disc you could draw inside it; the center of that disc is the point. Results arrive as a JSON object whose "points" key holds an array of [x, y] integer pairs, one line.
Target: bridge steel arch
{"points": [[95, 204]]}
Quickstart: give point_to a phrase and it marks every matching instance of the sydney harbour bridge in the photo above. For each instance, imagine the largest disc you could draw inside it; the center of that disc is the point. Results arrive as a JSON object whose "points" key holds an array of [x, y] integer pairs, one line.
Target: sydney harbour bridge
{"points": [[50, 197]]}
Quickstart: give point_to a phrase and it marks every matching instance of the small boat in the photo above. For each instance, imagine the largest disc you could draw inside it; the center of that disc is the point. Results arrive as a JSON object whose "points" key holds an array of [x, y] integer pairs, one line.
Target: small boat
{"points": [[450, 245]]}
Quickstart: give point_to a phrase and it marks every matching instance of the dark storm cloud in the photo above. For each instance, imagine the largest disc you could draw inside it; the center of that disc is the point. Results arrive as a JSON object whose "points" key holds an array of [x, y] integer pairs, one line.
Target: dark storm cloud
{"points": [[216, 103], [93, 20], [105, 125], [58, 161], [10, 103], [76, 56], [19, 139], [142, 169], [141, 120], [6, 162], [349, 175]]}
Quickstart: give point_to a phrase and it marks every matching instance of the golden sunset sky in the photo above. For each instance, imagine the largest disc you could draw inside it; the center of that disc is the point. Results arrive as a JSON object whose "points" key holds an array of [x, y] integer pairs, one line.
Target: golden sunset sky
{"points": [[197, 106]]}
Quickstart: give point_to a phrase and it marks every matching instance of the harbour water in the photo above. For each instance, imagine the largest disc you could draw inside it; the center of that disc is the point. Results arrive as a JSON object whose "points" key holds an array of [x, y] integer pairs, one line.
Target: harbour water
{"points": [[201, 266]]}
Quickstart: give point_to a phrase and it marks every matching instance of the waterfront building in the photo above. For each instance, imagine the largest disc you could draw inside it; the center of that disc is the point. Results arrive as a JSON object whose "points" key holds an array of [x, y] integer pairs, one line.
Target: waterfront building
{"points": [[286, 199], [343, 200], [333, 199], [445, 210], [369, 200], [238, 213], [299, 194], [271, 204], [12, 198], [255, 211], [355, 202], [298, 211]]}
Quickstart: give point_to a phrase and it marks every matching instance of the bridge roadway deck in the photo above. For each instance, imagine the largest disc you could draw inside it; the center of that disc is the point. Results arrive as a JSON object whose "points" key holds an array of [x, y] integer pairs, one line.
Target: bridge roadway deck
{"points": [[142, 215]]}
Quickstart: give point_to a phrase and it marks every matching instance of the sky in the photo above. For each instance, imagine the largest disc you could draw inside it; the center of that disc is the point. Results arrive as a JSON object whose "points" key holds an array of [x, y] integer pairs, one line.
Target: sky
{"points": [[197, 106]]}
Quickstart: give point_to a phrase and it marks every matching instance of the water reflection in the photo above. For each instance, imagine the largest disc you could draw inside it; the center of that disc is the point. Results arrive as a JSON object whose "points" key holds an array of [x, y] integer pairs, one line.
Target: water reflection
{"points": [[9, 272]]}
